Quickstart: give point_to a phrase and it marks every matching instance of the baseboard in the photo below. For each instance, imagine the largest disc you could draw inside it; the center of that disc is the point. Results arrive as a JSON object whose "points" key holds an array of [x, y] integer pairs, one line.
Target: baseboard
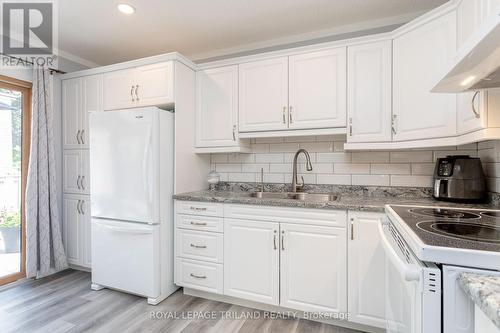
{"points": [[273, 308]]}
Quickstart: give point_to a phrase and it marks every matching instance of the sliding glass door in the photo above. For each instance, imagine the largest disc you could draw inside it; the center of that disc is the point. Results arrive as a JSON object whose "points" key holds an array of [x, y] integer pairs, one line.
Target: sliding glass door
{"points": [[15, 115]]}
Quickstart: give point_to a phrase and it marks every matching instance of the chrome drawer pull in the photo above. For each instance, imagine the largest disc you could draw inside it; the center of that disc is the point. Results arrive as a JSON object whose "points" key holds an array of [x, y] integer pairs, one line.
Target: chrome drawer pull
{"points": [[198, 276], [198, 223], [198, 209], [199, 246]]}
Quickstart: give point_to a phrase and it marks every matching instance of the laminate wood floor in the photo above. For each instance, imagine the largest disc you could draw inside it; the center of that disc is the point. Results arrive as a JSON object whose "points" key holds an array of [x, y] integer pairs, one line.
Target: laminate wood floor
{"points": [[64, 302]]}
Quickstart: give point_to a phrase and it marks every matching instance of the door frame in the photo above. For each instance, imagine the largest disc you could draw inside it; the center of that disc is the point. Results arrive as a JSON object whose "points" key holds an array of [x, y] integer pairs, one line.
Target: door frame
{"points": [[26, 89]]}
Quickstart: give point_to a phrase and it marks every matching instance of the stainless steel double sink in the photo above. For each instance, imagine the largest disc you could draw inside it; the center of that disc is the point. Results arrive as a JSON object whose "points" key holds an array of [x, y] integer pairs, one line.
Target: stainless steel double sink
{"points": [[300, 196]]}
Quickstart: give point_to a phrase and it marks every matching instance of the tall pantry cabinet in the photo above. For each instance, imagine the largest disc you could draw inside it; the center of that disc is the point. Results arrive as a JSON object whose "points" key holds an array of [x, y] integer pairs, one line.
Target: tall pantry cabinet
{"points": [[80, 96]]}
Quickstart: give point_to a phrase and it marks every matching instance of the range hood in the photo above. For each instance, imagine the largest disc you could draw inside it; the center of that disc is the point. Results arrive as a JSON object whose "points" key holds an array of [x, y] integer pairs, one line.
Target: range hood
{"points": [[477, 64]]}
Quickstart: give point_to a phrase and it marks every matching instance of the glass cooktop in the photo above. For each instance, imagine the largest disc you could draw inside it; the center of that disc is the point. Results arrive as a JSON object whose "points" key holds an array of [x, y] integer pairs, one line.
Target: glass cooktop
{"points": [[450, 227]]}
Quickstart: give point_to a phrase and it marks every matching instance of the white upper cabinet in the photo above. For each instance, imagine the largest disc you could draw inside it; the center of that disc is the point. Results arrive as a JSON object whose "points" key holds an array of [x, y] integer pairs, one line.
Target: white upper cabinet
{"points": [[313, 268], [471, 111], [263, 95], [251, 260], [369, 92], [317, 89], [79, 96], [217, 107], [366, 261], [418, 56], [150, 85]]}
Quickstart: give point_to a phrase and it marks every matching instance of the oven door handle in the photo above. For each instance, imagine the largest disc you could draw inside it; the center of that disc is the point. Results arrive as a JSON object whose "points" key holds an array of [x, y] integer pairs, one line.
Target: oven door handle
{"points": [[410, 272]]}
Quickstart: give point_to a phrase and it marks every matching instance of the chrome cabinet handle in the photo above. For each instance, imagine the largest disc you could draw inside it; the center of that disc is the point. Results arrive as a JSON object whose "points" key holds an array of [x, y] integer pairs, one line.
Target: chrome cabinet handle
{"points": [[81, 207], [78, 207], [283, 240], [198, 276], [350, 126], [290, 119], [78, 182], [78, 137], [274, 240], [132, 93], [198, 246], [197, 223], [284, 115], [198, 209], [393, 123], [136, 92], [82, 182], [234, 132], [352, 229], [82, 137], [476, 114]]}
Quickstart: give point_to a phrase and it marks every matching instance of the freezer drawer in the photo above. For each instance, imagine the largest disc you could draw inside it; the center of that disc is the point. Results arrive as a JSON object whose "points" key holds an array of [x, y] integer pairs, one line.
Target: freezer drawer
{"points": [[125, 256]]}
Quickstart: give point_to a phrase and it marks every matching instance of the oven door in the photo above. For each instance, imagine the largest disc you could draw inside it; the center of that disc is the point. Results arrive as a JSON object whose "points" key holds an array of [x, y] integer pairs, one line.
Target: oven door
{"points": [[402, 284]]}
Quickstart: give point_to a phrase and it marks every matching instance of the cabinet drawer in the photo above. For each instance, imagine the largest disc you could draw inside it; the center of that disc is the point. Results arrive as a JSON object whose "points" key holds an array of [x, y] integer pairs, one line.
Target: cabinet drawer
{"points": [[200, 275], [199, 208], [204, 223], [324, 217], [200, 245]]}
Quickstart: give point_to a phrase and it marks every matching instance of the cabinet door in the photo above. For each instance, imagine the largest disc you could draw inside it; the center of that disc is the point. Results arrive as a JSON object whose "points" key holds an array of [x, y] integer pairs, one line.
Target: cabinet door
{"points": [[217, 107], [155, 84], [313, 268], [85, 229], [263, 95], [91, 102], [419, 57], [369, 92], [317, 84], [251, 260], [119, 89], [71, 229], [366, 270], [72, 171], [471, 111], [71, 110]]}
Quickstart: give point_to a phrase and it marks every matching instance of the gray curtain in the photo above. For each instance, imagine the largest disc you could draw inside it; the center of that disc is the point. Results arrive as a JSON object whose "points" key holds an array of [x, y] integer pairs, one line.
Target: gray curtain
{"points": [[44, 248]]}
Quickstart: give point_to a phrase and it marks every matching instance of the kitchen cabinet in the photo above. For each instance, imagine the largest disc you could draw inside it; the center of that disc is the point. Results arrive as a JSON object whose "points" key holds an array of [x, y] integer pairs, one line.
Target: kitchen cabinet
{"points": [[217, 108], [418, 56], [263, 95], [369, 92], [317, 89], [76, 229], [366, 270], [79, 97], [308, 281], [76, 170], [251, 260], [149, 85]]}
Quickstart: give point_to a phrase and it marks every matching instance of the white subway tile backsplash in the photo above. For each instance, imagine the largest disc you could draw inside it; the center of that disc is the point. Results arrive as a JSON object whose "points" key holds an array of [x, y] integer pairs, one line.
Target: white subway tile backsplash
{"points": [[390, 169], [411, 156], [351, 168], [370, 157], [333, 165], [371, 180]]}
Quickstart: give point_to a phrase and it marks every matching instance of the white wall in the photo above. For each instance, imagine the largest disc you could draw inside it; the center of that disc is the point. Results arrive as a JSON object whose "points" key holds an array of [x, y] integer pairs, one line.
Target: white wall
{"points": [[333, 165]]}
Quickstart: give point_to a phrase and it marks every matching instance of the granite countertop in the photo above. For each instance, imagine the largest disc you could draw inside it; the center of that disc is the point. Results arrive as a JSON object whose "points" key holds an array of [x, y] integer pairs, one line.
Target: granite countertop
{"points": [[350, 201], [484, 290]]}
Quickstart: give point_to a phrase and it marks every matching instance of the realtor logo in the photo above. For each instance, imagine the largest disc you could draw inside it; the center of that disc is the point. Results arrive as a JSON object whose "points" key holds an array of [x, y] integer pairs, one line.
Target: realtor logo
{"points": [[28, 30]]}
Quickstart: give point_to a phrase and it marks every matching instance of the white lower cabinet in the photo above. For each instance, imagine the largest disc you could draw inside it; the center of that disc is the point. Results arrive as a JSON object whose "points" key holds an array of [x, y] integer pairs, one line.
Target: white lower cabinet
{"points": [[251, 260], [308, 281], [76, 229], [366, 275]]}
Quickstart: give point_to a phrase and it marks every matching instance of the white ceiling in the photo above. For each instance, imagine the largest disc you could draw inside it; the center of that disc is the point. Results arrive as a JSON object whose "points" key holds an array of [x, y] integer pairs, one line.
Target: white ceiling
{"points": [[96, 32]]}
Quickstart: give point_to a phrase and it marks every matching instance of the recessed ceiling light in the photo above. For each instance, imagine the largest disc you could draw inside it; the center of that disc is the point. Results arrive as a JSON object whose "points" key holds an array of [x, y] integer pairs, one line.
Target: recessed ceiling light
{"points": [[126, 8]]}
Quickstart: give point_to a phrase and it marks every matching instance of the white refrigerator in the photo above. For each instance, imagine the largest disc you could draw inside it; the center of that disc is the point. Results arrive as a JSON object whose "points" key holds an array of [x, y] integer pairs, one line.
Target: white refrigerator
{"points": [[132, 182]]}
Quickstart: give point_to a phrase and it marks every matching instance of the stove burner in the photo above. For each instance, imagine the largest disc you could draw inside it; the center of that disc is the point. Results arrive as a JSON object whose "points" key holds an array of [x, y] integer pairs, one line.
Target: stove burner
{"points": [[463, 230], [495, 214], [445, 213]]}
